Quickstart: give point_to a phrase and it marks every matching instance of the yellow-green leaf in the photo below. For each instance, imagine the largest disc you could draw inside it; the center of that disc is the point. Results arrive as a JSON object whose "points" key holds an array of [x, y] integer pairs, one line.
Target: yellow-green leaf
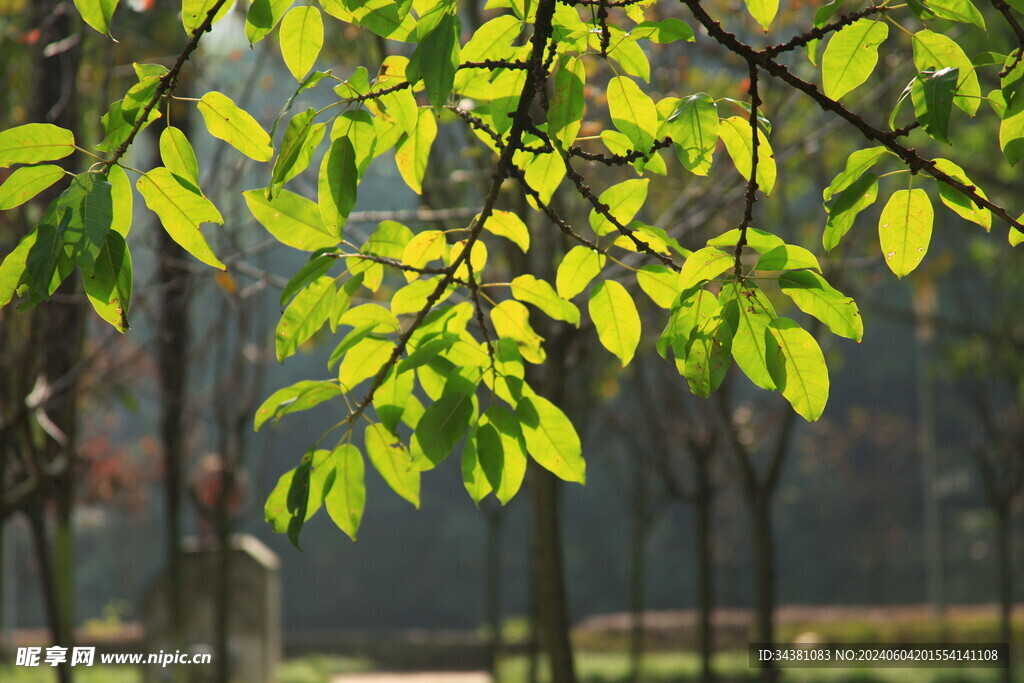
{"points": [[542, 295], [178, 156], [97, 13], [905, 229], [798, 367], [346, 496], [551, 439], [292, 219], [578, 267], [615, 316], [235, 126], [414, 149], [392, 460], [194, 12], [26, 182], [851, 56], [35, 142], [181, 211], [301, 37], [735, 133], [510, 226], [109, 286], [815, 296], [934, 50], [306, 314], [511, 320], [763, 11], [633, 112], [702, 265], [623, 201]]}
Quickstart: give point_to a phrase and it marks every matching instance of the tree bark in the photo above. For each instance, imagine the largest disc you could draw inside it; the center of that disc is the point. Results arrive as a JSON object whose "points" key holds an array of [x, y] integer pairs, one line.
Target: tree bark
{"points": [[637, 568], [552, 606], [1004, 556], [492, 588], [764, 567], [703, 507], [51, 596]]}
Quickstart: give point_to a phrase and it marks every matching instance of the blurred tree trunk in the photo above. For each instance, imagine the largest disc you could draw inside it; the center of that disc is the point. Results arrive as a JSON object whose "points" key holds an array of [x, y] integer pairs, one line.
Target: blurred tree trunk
{"points": [[59, 330], [1004, 557], [638, 565], [493, 515], [703, 507]]}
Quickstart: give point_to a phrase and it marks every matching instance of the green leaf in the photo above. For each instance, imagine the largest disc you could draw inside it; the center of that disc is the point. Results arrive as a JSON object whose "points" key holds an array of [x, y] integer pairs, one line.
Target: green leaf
{"points": [[851, 56], [578, 267], [615, 316], [263, 16], [178, 157], [623, 201], [759, 240], [798, 367], [551, 439], [510, 226], [424, 247], [109, 286], [346, 498], [624, 50], [544, 173], [13, 268], [306, 314], [301, 138], [565, 112], [317, 265], [295, 398], [703, 265], [26, 182], [932, 95], [957, 10], [707, 355], [958, 202], [936, 51], [356, 335], [301, 37], [735, 133], [815, 296], [443, 424], [427, 351], [122, 199], [97, 13], [437, 57], [392, 397], [857, 165], [501, 451], [531, 290], [821, 18], [665, 31], [473, 476], [283, 510], [194, 12], [292, 219], [693, 128], [1011, 137], [337, 185], [848, 204], [89, 211], [35, 142], [748, 313], [511, 320], [181, 211], [414, 149], [905, 229], [787, 257], [763, 11], [364, 360], [633, 112], [392, 460], [235, 126], [660, 283], [1015, 238]]}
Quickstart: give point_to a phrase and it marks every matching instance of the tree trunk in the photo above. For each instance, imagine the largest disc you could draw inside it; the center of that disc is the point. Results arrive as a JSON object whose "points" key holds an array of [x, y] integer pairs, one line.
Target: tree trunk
{"points": [[1004, 556], [637, 569], [172, 350], [492, 588], [764, 566], [703, 502], [552, 607], [51, 595]]}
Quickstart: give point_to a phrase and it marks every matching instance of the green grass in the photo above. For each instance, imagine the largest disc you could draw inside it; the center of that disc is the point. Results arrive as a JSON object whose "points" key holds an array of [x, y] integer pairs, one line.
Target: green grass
{"points": [[319, 668]]}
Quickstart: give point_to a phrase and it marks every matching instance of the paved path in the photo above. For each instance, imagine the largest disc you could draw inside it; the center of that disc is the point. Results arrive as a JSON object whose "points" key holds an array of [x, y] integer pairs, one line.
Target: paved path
{"points": [[433, 677]]}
